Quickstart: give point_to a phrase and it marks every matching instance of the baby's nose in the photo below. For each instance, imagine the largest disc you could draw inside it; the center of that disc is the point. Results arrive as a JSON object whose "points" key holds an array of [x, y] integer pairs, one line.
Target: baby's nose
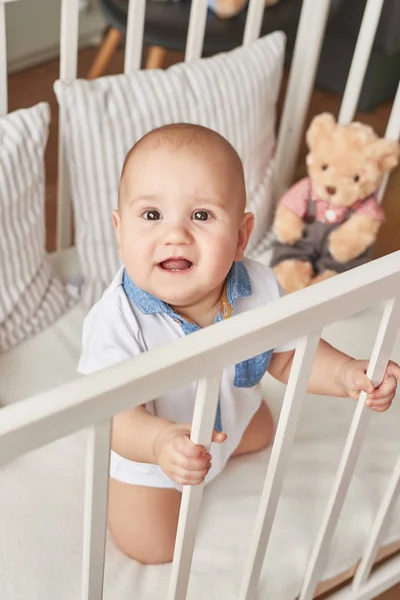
{"points": [[177, 234], [331, 190]]}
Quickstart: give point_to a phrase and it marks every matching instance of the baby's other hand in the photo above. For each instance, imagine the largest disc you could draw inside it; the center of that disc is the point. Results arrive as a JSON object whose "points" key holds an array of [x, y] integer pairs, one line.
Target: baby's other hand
{"points": [[182, 460], [356, 381]]}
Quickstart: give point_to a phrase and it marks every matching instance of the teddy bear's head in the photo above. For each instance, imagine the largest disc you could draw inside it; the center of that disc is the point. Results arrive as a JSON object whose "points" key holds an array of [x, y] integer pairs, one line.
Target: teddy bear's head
{"points": [[346, 163]]}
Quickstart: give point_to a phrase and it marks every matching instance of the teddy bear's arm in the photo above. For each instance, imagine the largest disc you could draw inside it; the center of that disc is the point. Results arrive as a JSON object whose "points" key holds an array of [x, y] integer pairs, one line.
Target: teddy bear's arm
{"points": [[353, 237], [288, 222], [288, 227]]}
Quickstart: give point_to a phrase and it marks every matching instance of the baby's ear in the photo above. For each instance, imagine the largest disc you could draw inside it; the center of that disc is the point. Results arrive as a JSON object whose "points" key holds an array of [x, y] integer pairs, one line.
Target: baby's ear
{"points": [[386, 153], [321, 126]]}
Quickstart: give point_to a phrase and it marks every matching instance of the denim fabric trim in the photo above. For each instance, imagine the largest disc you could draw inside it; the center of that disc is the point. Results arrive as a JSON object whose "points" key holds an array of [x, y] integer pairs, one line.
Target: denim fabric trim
{"points": [[250, 372], [238, 285]]}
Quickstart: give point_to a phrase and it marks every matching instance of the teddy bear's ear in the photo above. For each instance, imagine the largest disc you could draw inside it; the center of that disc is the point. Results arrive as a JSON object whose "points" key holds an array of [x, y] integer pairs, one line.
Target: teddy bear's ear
{"points": [[386, 153], [321, 126]]}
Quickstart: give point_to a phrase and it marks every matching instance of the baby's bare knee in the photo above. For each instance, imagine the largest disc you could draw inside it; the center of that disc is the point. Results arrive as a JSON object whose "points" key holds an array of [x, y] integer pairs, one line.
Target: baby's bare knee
{"points": [[143, 521], [146, 552]]}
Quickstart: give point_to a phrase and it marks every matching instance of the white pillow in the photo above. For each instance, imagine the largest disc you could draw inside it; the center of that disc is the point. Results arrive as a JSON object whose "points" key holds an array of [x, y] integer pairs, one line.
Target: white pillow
{"points": [[31, 297], [234, 93]]}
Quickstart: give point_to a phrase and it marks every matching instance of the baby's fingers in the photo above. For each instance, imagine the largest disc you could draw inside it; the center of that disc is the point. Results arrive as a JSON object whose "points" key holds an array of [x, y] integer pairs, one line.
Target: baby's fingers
{"points": [[192, 464], [387, 387], [218, 437], [186, 477], [379, 405], [183, 445]]}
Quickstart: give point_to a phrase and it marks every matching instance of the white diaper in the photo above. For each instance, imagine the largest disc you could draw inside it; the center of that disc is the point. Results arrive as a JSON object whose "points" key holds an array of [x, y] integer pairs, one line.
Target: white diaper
{"points": [[137, 473]]}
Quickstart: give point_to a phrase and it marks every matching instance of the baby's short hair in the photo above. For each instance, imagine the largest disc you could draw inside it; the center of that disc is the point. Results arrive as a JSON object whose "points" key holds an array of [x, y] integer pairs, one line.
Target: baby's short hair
{"points": [[178, 135]]}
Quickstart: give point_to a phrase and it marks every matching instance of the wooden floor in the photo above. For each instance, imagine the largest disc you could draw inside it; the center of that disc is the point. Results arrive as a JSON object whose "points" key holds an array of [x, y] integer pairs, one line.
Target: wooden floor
{"points": [[36, 84]]}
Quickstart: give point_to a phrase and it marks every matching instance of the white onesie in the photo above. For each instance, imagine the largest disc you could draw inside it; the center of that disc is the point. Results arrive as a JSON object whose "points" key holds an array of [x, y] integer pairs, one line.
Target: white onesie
{"points": [[127, 321]]}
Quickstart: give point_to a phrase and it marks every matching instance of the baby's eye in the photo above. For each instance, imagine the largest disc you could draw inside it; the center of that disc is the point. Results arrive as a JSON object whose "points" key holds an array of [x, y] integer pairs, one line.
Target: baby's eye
{"points": [[202, 215], [152, 215], [324, 167], [356, 178]]}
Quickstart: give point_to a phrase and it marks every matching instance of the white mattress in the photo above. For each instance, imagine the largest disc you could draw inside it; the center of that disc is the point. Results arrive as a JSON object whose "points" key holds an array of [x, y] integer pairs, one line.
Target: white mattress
{"points": [[41, 498]]}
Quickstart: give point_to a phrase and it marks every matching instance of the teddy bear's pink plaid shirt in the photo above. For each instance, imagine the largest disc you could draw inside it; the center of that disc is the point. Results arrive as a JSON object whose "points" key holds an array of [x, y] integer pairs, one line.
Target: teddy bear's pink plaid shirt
{"points": [[296, 199]]}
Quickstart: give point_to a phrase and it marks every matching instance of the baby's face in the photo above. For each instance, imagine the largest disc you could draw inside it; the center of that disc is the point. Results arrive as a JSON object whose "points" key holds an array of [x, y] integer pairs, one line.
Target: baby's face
{"points": [[181, 223]]}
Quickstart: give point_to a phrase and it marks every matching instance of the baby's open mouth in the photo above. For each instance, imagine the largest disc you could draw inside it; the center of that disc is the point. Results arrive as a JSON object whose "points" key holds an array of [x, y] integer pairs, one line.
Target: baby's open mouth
{"points": [[176, 264]]}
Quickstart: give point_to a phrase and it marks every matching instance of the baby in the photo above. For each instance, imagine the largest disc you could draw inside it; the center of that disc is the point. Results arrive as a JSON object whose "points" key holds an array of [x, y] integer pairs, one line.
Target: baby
{"points": [[182, 231]]}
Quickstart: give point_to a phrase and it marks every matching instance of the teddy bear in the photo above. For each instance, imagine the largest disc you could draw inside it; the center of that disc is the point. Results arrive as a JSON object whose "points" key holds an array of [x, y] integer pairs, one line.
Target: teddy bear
{"points": [[226, 9], [327, 222]]}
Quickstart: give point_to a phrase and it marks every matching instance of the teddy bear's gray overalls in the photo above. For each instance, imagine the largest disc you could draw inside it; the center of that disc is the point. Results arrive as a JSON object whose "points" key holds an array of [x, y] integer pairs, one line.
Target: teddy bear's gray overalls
{"points": [[313, 246]]}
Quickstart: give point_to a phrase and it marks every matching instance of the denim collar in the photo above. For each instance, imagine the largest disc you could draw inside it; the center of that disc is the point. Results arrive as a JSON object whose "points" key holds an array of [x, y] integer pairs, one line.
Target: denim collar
{"points": [[238, 285]]}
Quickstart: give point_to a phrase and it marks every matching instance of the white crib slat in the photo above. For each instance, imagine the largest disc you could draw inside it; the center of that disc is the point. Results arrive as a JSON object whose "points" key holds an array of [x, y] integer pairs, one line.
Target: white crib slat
{"points": [[295, 391], [392, 132], [68, 70], [255, 13], [134, 35], [202, 427], [3, 63], [307, 49], [360, 60], [3, 60], [96, 498], [378, 529], [382, 348], [196, 30]]}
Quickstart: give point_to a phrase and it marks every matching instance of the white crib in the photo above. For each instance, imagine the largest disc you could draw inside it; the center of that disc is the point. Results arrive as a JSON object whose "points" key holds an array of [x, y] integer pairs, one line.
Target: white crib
{"points": [[349, 305]]}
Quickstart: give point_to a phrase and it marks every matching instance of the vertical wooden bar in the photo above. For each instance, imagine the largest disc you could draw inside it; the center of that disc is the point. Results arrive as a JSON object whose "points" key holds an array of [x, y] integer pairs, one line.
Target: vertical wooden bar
{"points": [[392, 132], [295, 391], [196, 30], [378, 530], [68, 70], [254, 19], [134, 35], [202, 428], [383, 346], [3, 62], [306, 54], [95, 520], [360, 60]]}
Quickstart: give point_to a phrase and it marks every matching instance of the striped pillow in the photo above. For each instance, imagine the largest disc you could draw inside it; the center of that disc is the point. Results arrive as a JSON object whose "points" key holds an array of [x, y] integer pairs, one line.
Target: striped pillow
{"points": [[234, 93], [31, 297]]}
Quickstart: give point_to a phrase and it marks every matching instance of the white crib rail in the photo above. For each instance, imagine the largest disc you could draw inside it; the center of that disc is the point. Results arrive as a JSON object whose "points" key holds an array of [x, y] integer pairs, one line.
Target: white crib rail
{"points": [[307, 49], [378, 529], [196, 30], [295, 391], [392, 132], [3, 59], [68, 71], [96, 498], [3, 62], [202, 427], [86, 402], [383, 346], [255, 13], [134, 35], [360, 60]]}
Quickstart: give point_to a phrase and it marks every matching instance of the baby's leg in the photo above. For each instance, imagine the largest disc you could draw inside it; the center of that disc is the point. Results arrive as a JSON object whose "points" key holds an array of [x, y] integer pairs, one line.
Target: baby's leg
{"points": [[143, 520], [259, 432]]}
